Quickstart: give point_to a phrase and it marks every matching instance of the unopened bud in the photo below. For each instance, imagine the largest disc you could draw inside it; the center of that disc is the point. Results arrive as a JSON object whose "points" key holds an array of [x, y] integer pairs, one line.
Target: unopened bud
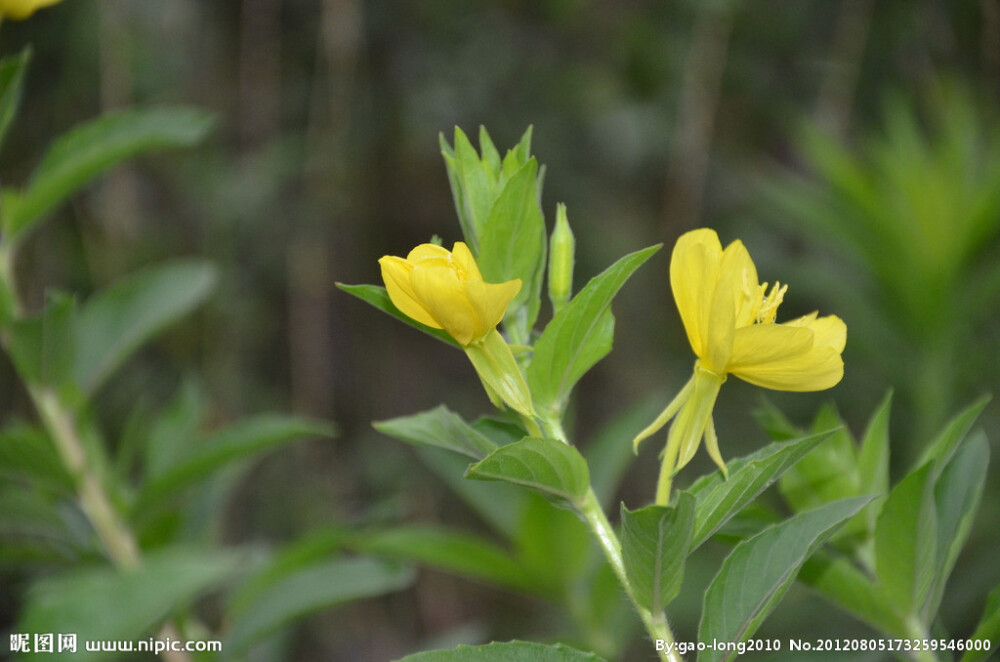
{"points": [[562, 246]]}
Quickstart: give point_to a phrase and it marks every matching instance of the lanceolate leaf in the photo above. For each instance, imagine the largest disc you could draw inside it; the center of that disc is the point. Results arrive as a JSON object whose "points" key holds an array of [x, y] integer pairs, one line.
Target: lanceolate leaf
{"points": [[11, 83], [941, 449], [87, 151], [379, 298], [873, 461], [655, 544], [906, 541], [119, 319], [988, 629], [718, 499], [511, 651], [441, 428], [550, 467], [578, 336], [758, 572]]}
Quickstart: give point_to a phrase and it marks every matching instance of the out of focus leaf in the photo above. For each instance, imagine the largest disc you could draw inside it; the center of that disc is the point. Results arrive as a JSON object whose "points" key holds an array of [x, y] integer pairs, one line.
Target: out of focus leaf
{"points": [[108, 604], [119, 319], [550, 467], [441, 428], [26, 453], [238, 441], [943, 446], [319, 586], [42, 346], [988, 629], [12, 71], [554, 546], [510, 651], [829, 472], [81, 155], [758, 572]]}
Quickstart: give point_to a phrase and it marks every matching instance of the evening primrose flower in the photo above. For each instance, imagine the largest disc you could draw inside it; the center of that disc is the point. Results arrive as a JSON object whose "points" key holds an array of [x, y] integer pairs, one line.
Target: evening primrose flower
{"points": [[21, 9], [729, 320], [444, 290]]}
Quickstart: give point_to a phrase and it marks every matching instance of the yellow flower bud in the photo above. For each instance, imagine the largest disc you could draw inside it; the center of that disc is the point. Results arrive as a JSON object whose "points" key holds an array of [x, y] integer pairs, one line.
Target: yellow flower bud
{"points": [[562, 247], [444, 290], [22, 9]]}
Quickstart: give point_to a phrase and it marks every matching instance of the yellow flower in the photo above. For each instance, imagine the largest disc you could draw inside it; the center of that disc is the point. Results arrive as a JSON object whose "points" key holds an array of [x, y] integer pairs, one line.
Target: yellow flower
{"points": [[445, 290], [21, 9], [729, 319]]}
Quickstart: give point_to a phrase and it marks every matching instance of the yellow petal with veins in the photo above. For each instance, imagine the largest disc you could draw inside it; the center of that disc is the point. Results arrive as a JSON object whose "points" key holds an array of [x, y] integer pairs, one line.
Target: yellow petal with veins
{"points": [[396, 276], [694, 272]]}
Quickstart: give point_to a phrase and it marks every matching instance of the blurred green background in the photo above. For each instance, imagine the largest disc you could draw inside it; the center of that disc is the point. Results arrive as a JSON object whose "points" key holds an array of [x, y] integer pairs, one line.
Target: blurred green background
{"points": [[853, 145]]}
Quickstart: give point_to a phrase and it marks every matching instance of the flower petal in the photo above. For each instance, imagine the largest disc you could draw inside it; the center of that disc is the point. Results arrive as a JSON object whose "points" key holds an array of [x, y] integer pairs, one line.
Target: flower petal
{"points": [[424, 251], [445, 297], [814, 370], [694, 272], [739, 273], [765, 343], [830, 331], [396, 274], [490, 302], [463, 256]]}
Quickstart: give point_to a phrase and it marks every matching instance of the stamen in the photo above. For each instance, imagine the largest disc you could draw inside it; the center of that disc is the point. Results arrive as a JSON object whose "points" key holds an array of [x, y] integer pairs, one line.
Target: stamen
{"points": [[769, 304]]}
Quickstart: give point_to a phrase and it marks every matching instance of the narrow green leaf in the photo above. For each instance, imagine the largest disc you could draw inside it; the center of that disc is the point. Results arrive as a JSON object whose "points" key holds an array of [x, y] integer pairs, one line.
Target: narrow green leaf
{"points": [[550, 467], [12, 70], [238, 441], [121, 318], [88, 150], [510, 651], [451, 551], [718, 499], [827, 473], [873, 461], [320, 586], [554, 547], [107, 604], [379, 298], [41, 346], [944, 445], [655, 543], [840, 582], [174, 433], [956, 496], [578, 336], [26, 453], [758, 572], [500, 373], [988, 629], [905, 541], [774, 422], [476, 188], [490, 154], [441, 428]]}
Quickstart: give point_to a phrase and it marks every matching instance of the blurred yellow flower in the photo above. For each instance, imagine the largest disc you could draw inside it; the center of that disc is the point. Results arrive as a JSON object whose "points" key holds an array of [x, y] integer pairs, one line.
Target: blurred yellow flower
{"points": [[21, 9], [729, 319], [445, 290]]}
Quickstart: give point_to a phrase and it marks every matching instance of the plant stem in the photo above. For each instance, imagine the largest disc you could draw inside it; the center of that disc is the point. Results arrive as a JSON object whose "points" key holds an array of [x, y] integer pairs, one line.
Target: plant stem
{"points": [[656, 624], [916, 630]]}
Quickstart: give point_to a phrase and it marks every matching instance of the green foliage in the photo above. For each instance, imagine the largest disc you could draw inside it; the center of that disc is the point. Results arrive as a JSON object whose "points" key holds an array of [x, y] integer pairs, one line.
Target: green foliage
{"points": [[83, 154], [379, 298], [511, 651], [307, 589], [12, 70], [759, 572], [578, 336], [988, 628], [655, 544], [441, 428], [550, 467]]}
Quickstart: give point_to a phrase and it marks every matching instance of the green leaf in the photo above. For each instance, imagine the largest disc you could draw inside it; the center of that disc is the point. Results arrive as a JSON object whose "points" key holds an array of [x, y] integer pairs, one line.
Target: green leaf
{"points": [[905, 541], [774, 422], [501, 375], [510, 651], [840, 582], [473, 185], [41, 346], [578, 336], [758, 572], [441, 428], [174, 433], [121, 318], [873, 461], [38, 526], [554, 547], [988, 628], [956, 497], [379, 298], [826, 474], [451, 551], [108, 604], [941, 449], [307, 590], [12, 70], [238, 441], [26, 453], [550, 467], [718, 499], [513, 241], [81, 155], [655, 543]]}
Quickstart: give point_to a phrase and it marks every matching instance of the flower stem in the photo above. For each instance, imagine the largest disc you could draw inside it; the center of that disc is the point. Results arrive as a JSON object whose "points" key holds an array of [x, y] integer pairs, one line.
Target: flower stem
{"points": [[656, 624]]}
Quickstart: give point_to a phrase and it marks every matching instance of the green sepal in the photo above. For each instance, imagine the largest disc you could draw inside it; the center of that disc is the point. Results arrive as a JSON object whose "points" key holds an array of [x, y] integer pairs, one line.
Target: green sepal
{"points": [[497, 368]]}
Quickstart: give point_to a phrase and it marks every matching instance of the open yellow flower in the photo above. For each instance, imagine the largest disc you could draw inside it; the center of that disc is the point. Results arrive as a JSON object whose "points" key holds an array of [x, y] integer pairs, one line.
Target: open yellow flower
{"points": [[21, 9], [444, 290], [729, 319]]}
